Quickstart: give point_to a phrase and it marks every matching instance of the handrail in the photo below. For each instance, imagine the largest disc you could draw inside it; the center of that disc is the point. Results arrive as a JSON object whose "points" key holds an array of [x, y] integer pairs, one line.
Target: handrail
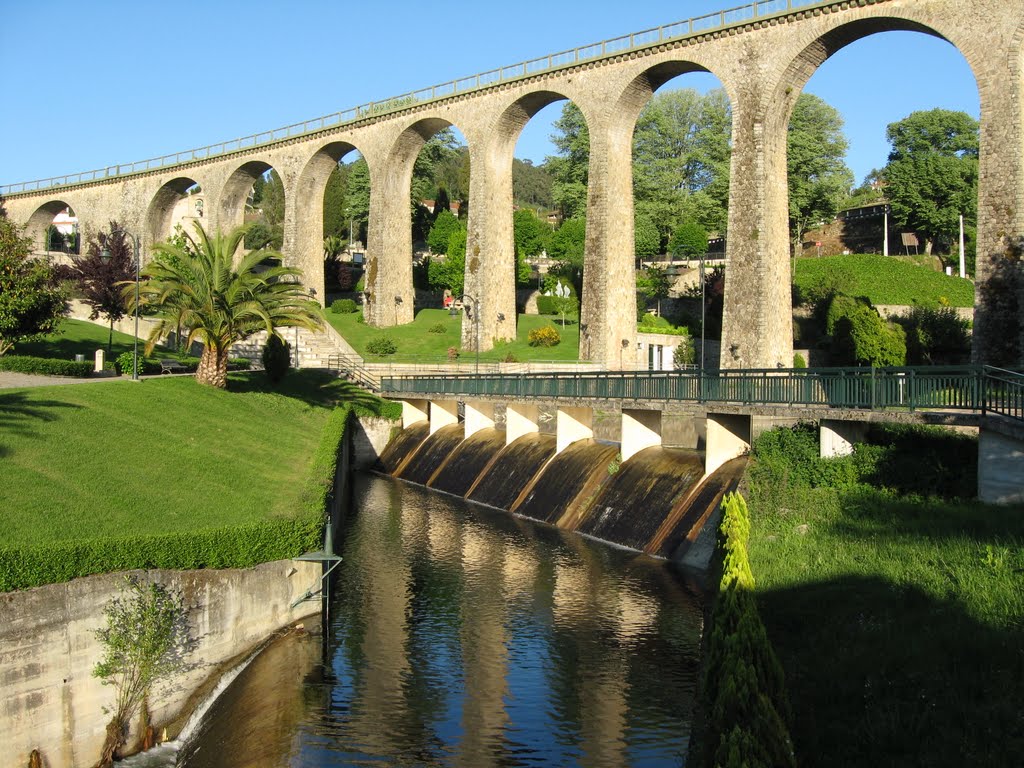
{"points": [[966, 388], [701, 25]]}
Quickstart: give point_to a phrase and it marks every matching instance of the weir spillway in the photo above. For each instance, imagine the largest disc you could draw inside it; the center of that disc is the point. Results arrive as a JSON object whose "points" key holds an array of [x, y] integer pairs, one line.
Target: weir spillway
{"points": [[656, 501]]}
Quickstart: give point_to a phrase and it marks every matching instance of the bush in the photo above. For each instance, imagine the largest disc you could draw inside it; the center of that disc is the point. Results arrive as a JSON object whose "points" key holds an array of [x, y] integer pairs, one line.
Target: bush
{"points": [[276, 358], [744, 686], [438, 328], [545, 336], [453, 354], [546, 305], [237, 363], [683, 355], [381, 346], [936, 336], [45, 366], [344, 306], [798, 361], [861, 337], [123, 364]]}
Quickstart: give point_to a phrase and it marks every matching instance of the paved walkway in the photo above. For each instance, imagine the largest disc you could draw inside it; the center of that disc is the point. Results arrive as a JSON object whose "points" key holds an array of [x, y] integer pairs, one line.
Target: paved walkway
{"points": [[10, 380]]}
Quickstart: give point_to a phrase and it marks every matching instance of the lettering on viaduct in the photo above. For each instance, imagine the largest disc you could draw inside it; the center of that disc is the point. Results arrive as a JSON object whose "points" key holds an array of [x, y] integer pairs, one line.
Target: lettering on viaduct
{"points": [[763, 63]]}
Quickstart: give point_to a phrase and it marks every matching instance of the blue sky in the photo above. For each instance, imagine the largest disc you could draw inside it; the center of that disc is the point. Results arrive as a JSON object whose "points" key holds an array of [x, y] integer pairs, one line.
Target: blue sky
{"points": [[91, 84]]}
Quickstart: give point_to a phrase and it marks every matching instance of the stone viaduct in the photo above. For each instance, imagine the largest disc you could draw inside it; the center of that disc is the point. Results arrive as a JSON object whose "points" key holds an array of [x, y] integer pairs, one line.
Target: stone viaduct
{"points": [[763, 54]]}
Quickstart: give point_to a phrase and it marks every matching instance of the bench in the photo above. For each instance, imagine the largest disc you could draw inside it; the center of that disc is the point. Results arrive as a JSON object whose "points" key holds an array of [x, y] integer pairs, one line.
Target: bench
{"points": [[172, 366]]}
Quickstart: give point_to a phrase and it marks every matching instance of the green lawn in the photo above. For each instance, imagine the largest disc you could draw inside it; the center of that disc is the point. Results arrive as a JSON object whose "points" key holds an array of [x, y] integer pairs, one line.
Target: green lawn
{"points": [[414, 340], [897, 619], [78, 337], [117, 458], [884, 280]]}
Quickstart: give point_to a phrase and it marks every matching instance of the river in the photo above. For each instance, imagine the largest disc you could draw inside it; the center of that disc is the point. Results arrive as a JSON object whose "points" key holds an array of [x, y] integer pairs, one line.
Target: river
{"points": [[460, 635]]}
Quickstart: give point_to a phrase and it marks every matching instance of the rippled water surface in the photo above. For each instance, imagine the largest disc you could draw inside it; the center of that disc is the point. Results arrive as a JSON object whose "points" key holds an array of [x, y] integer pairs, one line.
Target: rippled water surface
{"points": [[463, 636]]}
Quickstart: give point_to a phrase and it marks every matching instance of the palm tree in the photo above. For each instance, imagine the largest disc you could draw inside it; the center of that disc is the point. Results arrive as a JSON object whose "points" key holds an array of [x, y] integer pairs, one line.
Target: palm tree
{"points": [[199, 288]]}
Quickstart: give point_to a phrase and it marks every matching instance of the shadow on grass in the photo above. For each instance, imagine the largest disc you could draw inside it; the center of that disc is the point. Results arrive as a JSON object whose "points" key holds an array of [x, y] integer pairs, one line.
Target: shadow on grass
{"points": [[316, 387], [18, 410], [882, 674], [867, 512]]}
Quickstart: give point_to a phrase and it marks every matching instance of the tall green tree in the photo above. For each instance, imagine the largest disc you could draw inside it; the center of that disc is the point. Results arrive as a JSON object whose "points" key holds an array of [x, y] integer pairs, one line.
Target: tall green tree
{"points": [[335, 217], [570, 168], [531, 185], [220, 304], [646, 237], [357, 198], [450, 272], [441, 231], [531, 235], [567, 247], [31, 302], [819, 179], [932, 175], [689, 241]]}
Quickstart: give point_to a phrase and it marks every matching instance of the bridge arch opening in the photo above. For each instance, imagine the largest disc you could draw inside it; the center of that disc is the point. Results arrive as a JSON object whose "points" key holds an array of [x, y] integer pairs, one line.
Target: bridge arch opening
{"points": [[174, 209], [680, 117], [254, 194], [857, 183], [543, 208], [332, 206], [53, 229], [416, 254]]}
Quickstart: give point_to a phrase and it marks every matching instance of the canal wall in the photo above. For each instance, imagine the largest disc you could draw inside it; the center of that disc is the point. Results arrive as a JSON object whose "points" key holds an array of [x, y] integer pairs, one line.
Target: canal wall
{"points": [[48, 648]]}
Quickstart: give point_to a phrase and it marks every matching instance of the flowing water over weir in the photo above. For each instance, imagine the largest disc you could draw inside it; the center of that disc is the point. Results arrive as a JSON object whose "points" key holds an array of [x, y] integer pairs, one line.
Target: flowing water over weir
{"points": [[460, 635]]}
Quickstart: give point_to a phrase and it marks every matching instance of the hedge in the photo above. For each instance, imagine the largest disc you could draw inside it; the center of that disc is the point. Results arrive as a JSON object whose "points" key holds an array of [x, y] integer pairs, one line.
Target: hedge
{"points": [[46, 366], [745, 694], [239, 546]]}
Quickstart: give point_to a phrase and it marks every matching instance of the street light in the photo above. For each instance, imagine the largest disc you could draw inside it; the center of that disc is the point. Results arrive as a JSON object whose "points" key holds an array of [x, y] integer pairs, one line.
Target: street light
{"points": [[476, 326], [105, 255]]}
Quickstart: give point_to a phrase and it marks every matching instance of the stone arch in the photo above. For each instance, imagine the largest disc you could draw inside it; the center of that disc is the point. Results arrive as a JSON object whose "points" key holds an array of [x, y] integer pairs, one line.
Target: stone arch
{"points": [[491, 260], [166, 206], [41, 219], [307, 212], [231, 206]]}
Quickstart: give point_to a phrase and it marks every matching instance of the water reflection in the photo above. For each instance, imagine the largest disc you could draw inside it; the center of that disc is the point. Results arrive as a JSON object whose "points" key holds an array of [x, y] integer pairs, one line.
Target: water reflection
{"points": [[462, 636]]}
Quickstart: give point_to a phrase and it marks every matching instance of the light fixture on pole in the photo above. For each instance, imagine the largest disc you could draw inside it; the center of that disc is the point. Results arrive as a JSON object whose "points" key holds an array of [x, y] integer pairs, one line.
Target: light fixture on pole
{"points": [[702, 308], [476, 326], [106, 255]]}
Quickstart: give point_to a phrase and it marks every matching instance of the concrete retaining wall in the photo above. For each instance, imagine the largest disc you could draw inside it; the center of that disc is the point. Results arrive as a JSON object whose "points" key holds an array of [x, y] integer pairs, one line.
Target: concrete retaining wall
{"points": [[48, 648]]}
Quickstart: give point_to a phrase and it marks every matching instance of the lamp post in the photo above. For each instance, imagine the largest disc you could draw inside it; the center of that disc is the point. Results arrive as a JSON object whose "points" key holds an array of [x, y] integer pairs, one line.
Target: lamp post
{"points": [[703, 305], [105, 255], [476, 327]]}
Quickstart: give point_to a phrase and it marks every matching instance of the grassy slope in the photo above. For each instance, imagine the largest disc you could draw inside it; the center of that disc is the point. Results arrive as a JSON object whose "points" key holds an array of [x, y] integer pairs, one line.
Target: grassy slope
{"points": [[78, 337], [415, 339], [886, 280], [113, 458], [898, 623]]}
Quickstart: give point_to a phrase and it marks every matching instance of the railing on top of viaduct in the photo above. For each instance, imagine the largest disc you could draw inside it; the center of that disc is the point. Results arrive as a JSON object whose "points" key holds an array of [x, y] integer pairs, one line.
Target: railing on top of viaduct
{"points": [[965, 388], [700, 25]]}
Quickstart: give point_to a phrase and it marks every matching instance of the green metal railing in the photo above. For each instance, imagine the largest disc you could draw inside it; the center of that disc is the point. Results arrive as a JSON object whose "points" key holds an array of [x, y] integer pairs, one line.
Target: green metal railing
{"points": [[754, 11], [962, 388]]}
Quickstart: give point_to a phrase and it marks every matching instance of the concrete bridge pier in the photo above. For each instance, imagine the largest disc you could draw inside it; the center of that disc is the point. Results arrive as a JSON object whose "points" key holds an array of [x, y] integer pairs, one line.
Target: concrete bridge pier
{"points": [[1000, 467], [837, 438], [521, 419], [414, 411], [640, 429], [728, 436], [572, 424], [479, 415]]}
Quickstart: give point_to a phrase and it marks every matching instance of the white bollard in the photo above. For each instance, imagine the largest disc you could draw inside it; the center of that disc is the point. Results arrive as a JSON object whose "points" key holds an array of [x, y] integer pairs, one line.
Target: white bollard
{"points": [[100, 360]]}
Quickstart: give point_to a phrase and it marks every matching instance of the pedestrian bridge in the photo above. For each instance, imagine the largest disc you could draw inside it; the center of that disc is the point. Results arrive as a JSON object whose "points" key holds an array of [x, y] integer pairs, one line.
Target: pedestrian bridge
{"points": [[736, 405]]}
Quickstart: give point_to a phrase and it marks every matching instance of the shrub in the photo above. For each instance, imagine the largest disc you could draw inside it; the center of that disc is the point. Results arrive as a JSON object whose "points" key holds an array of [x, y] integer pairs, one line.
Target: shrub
{"points": [[798, 361], [510, 357], [123, 364], [381, 346], [684, 354], [276, 358], [46, 366], [546, 305], [344, 306], [936, 336], [438, 328], [861, 337], [453, 354], [545, 336], [238, 363]]}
